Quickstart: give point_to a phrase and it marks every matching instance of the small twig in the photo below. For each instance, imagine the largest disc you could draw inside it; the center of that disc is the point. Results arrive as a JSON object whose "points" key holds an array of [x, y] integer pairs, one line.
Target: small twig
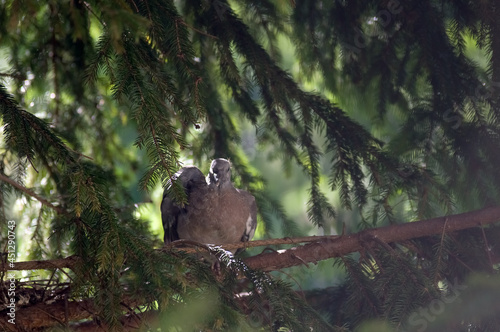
{"points": [[79, 153], [32, 194], [89, 8], [184, 242], [136, 8], [441, 243], [132, 312], [198, 30], [300, 292], [301, 260], [18, 76], [488, 248], [48, 284], [250, 244]]}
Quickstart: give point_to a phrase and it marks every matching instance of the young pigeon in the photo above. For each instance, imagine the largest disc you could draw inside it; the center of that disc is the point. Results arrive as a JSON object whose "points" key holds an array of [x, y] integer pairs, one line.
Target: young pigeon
{"points": [[237, 208], [215, 212], [192, 180]]}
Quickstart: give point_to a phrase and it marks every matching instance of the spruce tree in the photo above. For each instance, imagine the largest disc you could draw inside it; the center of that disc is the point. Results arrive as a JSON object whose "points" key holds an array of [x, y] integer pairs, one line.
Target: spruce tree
{"points": [[101, 102]]}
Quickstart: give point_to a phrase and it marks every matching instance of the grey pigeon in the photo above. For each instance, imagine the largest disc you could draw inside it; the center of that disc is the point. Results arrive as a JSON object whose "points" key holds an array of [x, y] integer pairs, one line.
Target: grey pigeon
{"points": [[215, 212], [191, 180]]}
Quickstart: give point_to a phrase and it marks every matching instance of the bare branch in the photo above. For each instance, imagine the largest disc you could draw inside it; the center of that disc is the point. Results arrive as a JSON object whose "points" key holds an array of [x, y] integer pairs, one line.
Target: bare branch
{"points": [[60, 263], [250, 244]]}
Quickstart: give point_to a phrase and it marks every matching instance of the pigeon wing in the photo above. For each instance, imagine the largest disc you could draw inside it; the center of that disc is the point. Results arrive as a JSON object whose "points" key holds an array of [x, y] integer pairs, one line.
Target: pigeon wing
{"points": [[251, 223], [190, 179]]}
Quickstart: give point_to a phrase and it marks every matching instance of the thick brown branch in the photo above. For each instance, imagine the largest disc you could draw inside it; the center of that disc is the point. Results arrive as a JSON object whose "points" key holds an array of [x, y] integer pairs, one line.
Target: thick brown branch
{"points": [[327, 248], [60, 263], [322, 247], [43, 315], [48, 315], [192, 247]]}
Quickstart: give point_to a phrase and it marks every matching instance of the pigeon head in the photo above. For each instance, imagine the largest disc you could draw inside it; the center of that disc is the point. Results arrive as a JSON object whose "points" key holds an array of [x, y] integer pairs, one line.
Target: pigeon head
{"points": [[220, 173], [191, 177], [188, 179]]}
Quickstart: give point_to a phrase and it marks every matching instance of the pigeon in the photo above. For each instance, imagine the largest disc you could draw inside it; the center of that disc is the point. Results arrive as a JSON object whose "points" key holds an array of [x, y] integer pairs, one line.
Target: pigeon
{"points": [[191, 180], [215, 213]]}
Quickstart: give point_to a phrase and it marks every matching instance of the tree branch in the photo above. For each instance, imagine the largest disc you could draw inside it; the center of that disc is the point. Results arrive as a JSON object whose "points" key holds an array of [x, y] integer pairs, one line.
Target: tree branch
{"points": [[60, 263], [329, 248], [182, 245], [250, 244], [31, 193], [49, 315], [43, 315], [322, 247]]}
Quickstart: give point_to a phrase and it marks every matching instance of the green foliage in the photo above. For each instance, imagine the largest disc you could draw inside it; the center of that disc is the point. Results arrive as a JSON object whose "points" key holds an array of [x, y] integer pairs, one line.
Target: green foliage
{"points": [[410, 288], [393, 104]]}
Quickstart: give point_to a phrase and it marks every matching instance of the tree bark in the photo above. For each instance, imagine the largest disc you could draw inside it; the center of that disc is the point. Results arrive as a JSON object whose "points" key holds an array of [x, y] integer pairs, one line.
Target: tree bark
{"points": [[314, 252], [44, 315], [322, 247], [61, 312]]}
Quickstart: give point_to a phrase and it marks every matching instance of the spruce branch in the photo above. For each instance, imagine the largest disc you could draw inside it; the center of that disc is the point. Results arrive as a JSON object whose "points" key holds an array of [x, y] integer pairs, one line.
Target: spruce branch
{"points": [[197, 30], [31, 193], [93, 12], [160, 151]]}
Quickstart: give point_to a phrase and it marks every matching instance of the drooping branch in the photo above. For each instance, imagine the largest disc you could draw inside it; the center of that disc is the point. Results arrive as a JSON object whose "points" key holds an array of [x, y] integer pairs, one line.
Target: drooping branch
{"points": [[321, 247], [31, 193]]}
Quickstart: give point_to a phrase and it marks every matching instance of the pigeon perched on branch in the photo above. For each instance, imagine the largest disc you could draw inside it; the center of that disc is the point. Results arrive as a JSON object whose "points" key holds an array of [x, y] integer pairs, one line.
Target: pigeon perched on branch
{"points": [[215, 211]]}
